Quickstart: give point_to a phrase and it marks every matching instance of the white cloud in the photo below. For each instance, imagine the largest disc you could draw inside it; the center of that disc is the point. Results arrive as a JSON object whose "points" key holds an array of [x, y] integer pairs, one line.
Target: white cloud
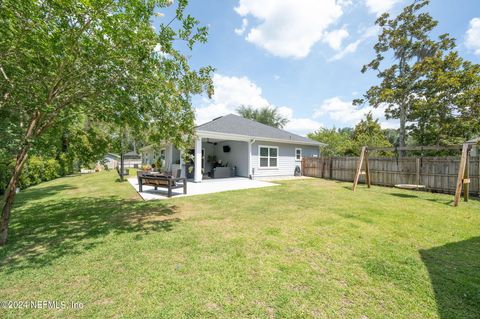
{"points": [[232, 92], [344, 113], [350, 48], [353, 46], [289, 28], [472, 40], [380, 6], [345, 3], [334, 38], [302, 126], [243, 28]]}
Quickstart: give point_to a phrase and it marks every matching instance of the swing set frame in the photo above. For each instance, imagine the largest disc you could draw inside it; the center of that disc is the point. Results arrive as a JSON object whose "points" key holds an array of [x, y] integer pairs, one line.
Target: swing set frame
{"points": [[463, 179]]}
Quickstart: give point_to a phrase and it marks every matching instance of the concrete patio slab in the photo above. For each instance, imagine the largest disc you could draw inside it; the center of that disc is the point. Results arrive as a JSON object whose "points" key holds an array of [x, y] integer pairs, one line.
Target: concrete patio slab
{"points": [[205, 187]]}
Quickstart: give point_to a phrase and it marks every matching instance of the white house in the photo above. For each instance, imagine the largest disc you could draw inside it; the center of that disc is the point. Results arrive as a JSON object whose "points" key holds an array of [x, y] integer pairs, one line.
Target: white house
{"points": [[234, 146], [111, 160]]}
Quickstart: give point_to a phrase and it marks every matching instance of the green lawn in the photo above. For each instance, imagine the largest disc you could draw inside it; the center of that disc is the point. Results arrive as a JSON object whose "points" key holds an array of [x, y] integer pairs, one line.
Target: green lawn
{"points": [[309, 248]]}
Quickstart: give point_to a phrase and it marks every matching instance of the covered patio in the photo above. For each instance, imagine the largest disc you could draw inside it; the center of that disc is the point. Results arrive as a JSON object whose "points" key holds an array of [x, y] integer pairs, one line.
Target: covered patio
{"points": [[206, 187], [217, 157]]}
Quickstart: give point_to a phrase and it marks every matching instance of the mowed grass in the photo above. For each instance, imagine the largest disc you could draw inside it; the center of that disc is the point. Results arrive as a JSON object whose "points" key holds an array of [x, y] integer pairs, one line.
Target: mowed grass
{"points": [[304, 249]]}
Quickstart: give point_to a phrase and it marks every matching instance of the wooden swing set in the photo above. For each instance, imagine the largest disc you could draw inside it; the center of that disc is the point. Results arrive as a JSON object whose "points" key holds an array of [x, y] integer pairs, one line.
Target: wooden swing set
{"points": [[463, 179]]}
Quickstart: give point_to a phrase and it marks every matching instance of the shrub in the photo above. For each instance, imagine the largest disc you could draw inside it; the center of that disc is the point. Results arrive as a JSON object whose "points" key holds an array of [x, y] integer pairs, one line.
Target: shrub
{"points": [[52, 169], [37, 169], [66, 165], [33, 172]]}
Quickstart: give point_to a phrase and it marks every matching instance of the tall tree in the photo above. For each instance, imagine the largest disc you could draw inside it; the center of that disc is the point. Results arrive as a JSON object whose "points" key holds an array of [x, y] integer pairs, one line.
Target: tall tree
{"points": [[368, 132], [339, 141], [447, 104], [102, 59], [391, 135], [268, 115], [407, 39]]}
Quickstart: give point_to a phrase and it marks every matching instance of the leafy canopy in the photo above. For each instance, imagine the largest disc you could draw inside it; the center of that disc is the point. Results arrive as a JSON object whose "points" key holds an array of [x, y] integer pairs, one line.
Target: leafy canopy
{"points": [[338, 141], [348, 142], [406, 39], [447, 104], [267, 115], [103, 59]]}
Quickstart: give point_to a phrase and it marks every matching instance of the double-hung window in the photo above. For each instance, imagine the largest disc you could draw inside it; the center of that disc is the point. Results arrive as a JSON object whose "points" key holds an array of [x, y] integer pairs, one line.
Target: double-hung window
{"points": [[268, 156], [298, 154]]}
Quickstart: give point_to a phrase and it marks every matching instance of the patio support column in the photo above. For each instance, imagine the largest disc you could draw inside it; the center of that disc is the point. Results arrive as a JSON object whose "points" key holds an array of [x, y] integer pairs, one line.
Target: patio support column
{"points": [[249, 174], [198, 160], [182, 166], [168, 157]]}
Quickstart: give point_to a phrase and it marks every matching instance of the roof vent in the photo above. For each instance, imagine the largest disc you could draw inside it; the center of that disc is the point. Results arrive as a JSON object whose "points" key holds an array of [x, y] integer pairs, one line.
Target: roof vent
{"points": [[217, 118]]}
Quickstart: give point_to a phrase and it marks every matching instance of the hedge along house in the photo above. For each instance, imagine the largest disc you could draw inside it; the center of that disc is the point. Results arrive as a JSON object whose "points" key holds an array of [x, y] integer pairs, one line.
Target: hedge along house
{"points": [[231, 146]]}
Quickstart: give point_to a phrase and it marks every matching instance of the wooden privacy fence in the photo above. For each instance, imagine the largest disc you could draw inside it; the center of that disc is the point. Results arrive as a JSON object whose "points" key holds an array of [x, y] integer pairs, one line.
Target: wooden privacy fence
{"points": [[438, 174]]}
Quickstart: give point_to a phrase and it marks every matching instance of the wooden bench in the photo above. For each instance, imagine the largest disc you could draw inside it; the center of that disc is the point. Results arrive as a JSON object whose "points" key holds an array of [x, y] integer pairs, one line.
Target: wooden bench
{"points": [[159, 180]]}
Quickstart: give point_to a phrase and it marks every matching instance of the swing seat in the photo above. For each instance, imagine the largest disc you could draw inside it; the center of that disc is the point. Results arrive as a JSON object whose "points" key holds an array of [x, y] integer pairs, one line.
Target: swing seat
{"points": [[409, 186]]}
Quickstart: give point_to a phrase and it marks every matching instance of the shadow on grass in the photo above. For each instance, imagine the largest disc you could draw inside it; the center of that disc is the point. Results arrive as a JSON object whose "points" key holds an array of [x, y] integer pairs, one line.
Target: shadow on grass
{"points": [[454, 271], [32, 194], [448, 202], [46, 230], [402, 195], [445, 201]]}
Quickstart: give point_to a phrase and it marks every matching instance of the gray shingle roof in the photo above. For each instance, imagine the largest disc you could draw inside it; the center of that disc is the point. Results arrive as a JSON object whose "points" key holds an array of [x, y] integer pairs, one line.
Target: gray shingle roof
{"points": [[131, 155], [234, 124]]}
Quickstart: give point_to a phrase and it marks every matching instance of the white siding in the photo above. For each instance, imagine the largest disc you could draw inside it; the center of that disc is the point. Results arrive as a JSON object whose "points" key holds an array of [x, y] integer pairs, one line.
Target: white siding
{"points": [[286, 158]]}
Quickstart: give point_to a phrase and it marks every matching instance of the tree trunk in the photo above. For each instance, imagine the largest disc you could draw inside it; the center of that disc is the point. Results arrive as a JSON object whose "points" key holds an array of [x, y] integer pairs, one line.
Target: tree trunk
{"points": [[121, 157], [121, 166], [402, 133], [403, 109], [10, 194], [12, 185]]}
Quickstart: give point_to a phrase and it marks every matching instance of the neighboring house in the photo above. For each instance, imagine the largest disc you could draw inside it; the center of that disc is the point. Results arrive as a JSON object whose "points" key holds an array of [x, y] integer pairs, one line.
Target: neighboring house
{"points": [[132, 160], [234, 146], [475, 149], [111, 160]]}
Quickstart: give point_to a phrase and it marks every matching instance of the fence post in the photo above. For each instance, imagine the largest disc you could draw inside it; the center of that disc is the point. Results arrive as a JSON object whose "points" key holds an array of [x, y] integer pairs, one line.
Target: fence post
{"points": [[417, 171], [478, 184], [466, 186], [331, 167]]}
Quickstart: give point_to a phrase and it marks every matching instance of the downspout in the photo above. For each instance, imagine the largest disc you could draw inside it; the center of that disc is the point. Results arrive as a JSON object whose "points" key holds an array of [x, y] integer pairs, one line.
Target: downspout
{"points": [[251, 171]]}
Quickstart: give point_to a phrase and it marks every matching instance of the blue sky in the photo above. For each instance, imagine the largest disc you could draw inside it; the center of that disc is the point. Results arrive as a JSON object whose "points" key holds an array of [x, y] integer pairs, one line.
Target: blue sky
{"points": [[305, 56]]}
